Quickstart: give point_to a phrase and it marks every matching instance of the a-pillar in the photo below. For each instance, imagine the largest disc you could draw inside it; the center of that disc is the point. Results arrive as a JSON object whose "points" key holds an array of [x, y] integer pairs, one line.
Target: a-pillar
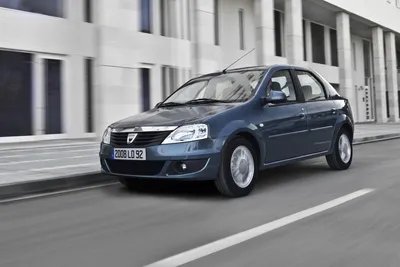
{"points": [[294, 31], [265, 31], [391, 63], [344, 56], [379, 74]]}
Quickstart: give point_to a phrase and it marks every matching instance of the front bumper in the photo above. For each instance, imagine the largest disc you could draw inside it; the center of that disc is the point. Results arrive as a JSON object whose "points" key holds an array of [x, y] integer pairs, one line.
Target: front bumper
{"points": [[201, 159]]}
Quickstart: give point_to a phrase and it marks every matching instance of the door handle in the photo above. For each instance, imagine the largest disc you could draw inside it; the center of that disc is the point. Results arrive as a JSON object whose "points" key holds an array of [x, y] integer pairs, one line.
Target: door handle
{"points": [[333, 110], [301, 115]]}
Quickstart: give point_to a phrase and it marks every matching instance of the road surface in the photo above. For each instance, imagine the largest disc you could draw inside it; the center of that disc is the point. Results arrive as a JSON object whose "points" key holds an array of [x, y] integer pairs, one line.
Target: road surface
{"points": [[112, 227]]}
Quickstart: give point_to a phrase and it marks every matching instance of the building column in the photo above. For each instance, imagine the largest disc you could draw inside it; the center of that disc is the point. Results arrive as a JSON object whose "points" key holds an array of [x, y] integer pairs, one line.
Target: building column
{"points": [[74, 10], [327, 38], [265, 31], [204, 49], [185, 19], [344, 55], [391, 62], [156, 18], [74, 96], [294, 31], [379, 74]]}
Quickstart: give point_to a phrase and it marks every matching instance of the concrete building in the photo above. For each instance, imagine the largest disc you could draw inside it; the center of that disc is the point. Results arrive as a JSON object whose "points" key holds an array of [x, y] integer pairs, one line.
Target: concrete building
{"points": [[68, 68]]}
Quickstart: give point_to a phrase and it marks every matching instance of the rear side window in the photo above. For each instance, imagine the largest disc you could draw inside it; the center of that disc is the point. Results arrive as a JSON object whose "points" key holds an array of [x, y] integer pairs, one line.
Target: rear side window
{"points": [[311, 87]]}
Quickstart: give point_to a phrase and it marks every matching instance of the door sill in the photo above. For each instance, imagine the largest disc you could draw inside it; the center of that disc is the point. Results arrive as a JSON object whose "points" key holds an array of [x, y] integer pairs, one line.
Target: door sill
{"points": [[300, 158]]}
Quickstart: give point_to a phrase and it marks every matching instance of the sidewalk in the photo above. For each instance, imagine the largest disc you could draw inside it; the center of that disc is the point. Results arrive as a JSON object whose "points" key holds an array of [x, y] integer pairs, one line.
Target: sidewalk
{"points": [[76, 162], [46, 160]]}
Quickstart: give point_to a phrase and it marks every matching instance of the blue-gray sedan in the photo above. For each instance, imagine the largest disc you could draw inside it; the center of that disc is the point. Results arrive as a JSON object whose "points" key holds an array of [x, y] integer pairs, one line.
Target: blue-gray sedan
{"points": [[227, 126]]}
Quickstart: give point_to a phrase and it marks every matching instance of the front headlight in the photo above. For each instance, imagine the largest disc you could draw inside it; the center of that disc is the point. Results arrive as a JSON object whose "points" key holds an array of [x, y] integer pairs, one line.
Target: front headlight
{"points": [[187, 133], [107, 136]]}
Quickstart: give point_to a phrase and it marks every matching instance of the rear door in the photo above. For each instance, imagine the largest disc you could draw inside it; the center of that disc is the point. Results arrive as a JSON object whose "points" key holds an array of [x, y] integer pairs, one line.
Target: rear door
{"points": [[321, 111], [284, 125]]}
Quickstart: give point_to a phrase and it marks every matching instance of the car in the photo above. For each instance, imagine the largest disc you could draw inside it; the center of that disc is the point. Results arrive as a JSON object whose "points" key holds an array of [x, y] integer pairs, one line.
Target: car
{"points": [[229, 125]]}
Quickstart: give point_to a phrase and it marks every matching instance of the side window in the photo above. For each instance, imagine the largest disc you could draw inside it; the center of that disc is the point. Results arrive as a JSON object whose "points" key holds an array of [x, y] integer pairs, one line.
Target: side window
{"points": [[282, 81], [312, 88]]}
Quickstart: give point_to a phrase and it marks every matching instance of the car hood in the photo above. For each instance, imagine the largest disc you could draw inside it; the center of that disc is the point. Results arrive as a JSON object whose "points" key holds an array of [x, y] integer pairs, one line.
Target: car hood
{"points": [[173, 116]]}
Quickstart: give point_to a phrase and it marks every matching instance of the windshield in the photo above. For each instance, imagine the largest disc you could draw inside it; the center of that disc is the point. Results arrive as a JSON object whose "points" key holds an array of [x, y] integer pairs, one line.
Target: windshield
{"points": [[229, 87]]}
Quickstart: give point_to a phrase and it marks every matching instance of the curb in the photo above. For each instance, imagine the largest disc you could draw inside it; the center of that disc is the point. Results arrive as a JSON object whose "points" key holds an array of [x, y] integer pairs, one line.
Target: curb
{"points": [[18, 190], [373, 139]]}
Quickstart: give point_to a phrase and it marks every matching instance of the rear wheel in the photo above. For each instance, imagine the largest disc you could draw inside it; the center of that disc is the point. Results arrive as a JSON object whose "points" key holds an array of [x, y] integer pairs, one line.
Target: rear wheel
{"points": [[342, 154], [239, 169]]}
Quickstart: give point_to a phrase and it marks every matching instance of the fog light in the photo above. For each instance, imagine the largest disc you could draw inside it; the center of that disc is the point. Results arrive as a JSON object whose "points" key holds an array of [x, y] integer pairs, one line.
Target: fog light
{"points": [[183, 167]]}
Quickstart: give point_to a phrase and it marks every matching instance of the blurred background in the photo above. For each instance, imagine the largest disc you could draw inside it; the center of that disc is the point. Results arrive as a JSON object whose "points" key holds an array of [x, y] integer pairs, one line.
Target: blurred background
{"points": [[68, 68]]}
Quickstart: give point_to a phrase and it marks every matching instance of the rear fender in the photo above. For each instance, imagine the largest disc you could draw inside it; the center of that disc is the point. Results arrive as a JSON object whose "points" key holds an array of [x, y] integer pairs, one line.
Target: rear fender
{"points": [[342, 120]]}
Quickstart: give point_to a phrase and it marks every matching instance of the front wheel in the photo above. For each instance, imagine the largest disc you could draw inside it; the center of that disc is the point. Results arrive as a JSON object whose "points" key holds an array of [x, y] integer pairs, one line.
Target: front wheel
{"points": [[239, 169], [342, 154]]}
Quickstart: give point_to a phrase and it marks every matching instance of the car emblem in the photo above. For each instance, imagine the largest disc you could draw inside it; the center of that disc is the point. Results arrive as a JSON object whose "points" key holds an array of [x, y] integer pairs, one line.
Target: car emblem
{"points": [[131, 138]]}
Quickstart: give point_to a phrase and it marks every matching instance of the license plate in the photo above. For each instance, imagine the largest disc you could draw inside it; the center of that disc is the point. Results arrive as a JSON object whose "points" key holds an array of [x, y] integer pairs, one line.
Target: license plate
{"points": [[129, 154]]}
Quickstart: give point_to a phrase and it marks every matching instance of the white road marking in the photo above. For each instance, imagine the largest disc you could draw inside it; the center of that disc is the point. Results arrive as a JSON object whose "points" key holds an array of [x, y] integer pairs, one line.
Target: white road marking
{"points": [[55, 193], [47, 147], [48, 153], [50, 168], [42, 160], [202, 251]]}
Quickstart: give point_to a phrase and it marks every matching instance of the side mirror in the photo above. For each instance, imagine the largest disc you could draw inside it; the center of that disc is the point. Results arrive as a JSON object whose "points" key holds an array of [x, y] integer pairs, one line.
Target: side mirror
{"points": [[275, 97]]}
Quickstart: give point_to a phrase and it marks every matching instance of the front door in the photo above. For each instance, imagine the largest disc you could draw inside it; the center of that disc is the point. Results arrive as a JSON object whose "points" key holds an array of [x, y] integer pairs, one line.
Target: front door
{"points": [[284, 125], [321, 112]]}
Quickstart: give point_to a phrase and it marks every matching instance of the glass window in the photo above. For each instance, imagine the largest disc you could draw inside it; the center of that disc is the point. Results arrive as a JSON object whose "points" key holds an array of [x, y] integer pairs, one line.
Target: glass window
{"points": [[53, 96], [145, 16], [230, 87], [145, 78], [189, 22], [278, 34], [241, 28], [367, 61], [318, 43], [46, 7], [173, 79], [282, 81], [312, 88], [304, 41], [89, 95], [169, 81], [163, 20], [334, 48], [168, 18], [88, 11], [216, 22], [15, 94], [354, 51]]}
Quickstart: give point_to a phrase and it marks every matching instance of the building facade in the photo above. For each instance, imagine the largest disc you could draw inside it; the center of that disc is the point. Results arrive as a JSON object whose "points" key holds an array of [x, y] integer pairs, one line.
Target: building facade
{"points": [[68, 68]]}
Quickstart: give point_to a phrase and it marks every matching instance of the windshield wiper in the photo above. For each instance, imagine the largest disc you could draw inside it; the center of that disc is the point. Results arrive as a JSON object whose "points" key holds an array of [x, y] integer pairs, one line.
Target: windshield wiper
{"points": [[171, 104], [206, 101]]}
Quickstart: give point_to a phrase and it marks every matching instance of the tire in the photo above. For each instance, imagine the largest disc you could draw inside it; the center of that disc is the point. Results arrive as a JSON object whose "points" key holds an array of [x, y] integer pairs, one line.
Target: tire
{"points": [[335, 160], [225, 181], [133, 184]]}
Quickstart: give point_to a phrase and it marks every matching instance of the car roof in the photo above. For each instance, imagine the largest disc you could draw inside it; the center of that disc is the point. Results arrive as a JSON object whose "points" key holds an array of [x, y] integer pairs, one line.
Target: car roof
{"points": [[250, 68]]}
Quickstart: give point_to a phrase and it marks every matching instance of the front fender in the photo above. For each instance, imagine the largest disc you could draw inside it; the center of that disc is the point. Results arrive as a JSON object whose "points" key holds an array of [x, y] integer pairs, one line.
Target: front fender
{"points": [[236, 127]]}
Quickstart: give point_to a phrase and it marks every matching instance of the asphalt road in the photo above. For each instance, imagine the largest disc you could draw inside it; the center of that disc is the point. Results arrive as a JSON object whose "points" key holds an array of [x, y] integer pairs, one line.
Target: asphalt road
{"points": [[111, 227]]}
